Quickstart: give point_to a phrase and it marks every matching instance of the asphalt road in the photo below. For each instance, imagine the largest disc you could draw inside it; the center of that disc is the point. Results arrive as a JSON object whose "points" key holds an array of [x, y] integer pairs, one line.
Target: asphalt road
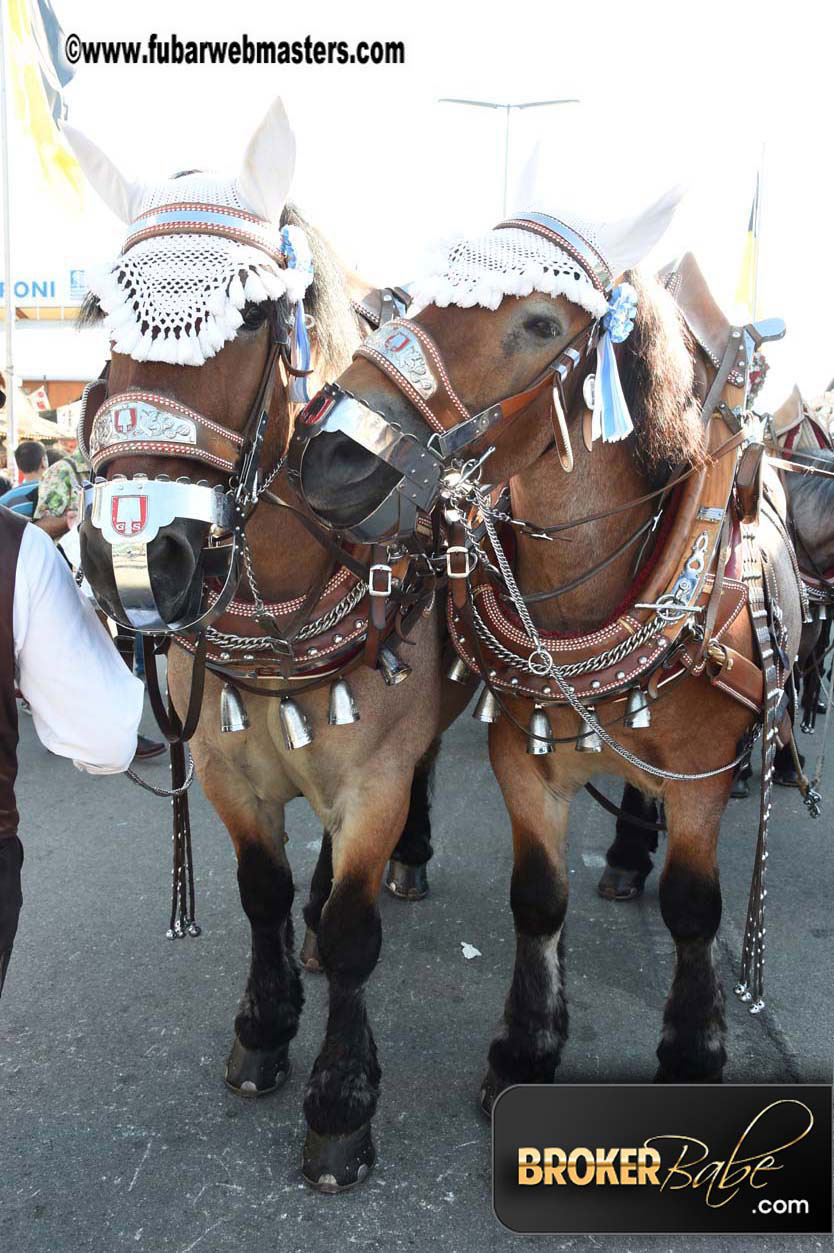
{"points": [[116, 1132]]}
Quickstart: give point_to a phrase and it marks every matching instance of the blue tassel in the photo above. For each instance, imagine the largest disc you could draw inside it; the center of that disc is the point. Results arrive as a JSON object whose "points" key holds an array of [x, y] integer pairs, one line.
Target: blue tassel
{"points": [[299, 356], [611, 420]]}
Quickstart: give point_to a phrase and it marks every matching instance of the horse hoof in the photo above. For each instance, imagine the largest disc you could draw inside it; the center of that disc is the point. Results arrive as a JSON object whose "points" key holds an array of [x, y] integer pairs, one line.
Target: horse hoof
{"points": [[786, 778], [617, 884], [309, 955], [491, 1089], [335, 1163], [740, 789], [407, 883], [256, 1072]]}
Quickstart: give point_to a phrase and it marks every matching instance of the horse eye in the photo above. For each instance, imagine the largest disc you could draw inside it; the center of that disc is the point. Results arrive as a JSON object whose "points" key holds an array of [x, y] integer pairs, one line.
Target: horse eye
{"points": [[254, 315], [543, 328]]}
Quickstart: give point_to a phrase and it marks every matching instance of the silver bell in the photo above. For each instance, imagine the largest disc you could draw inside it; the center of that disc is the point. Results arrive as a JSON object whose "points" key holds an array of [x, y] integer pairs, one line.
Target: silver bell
{"points": [[233, 715], [539, 733], [394, 670], [458, 671], [342, 710], [589, 741], [638, 714], [487, 709], [296, 728]]}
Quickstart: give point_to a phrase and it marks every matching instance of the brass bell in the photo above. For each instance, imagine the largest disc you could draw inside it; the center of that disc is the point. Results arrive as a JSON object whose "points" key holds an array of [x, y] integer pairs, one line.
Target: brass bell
{"points": [[394, 670], [458, 671], [539, 733], [296, 728], [487, 709], [588, 741], [638, 714], [342, 709], [233, 715]]}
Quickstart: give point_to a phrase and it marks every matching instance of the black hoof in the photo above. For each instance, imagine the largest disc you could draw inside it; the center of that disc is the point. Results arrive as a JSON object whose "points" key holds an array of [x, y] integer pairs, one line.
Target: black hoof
{"points": [[617, 884], [257, 1072], [335, 1163], [309, 955], [786, 778], [407, 883], [740, 789], [491, 1089]]}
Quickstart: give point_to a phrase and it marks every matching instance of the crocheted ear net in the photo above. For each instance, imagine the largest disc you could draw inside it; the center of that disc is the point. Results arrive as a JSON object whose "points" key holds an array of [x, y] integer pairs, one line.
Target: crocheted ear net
{"points": [[505, 262], [177, 298]]}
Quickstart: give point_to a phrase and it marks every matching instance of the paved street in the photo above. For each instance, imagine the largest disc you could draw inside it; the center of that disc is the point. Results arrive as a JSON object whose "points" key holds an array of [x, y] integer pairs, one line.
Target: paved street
{"points": [[116, 1131]]}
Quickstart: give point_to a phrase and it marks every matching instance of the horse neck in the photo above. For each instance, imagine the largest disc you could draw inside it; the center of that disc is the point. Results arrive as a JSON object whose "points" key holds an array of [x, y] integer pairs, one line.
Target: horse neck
{"points": [[545, 495]]}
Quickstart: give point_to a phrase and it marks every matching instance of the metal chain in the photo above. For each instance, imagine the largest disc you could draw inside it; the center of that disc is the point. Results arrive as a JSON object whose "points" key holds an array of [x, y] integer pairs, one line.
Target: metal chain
{"points": [[326, 622], [598, 662], [549, 667], [165, 792]]}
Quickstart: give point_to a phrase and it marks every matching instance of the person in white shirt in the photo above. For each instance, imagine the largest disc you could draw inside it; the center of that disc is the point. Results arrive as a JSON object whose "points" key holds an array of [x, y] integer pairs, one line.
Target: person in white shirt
{"points": [[85, 703]]}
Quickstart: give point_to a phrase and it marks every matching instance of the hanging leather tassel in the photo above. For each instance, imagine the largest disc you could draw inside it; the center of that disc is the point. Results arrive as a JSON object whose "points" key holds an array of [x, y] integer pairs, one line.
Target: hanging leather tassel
{"points": [[182, 874]]}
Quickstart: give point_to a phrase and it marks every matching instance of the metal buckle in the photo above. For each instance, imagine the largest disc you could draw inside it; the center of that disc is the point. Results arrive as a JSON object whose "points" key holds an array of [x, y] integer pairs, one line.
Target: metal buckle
{"points": [[459, 574], [380, 568]]}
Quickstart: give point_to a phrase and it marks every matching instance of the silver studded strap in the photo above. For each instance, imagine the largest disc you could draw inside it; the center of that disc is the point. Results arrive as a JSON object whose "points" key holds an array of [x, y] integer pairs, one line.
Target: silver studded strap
{"points": [[750, 987]]}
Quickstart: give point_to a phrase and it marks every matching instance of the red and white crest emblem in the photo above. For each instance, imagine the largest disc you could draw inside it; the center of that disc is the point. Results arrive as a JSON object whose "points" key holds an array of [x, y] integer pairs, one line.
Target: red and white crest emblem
{"points": [[129, 514], [124, 419]]}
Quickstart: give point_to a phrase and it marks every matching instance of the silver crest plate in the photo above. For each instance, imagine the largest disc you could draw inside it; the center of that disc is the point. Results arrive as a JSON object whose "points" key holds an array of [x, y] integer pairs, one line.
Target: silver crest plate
{"points": [[405, 353], [130, 421]]}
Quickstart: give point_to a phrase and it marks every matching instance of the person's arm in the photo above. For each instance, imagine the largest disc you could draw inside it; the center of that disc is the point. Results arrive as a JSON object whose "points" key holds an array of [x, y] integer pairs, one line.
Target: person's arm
{"points": [[54, 527], [85, 703]]}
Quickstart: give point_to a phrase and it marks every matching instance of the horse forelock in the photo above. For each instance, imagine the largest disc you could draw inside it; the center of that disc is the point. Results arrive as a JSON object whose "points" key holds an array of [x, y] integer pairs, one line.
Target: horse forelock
{"points": [[657, 370]]}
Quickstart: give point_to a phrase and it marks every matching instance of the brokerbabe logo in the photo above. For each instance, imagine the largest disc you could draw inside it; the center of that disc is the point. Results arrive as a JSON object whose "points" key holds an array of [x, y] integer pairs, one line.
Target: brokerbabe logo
{"points": [[682, 1158]]}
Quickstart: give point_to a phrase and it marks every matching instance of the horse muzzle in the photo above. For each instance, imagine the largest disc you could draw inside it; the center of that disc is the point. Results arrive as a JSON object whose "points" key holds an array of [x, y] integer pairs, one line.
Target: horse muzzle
{"points": [[130, 514]]}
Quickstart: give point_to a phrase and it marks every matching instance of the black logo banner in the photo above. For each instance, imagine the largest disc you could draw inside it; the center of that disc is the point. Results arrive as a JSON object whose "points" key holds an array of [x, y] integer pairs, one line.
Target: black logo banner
{"points": [[635, 1158]]}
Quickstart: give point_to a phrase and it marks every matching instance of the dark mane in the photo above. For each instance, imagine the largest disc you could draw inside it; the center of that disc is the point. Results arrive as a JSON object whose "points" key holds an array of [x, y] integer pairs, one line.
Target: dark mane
{"points": [[657, 374], [327, 300]]}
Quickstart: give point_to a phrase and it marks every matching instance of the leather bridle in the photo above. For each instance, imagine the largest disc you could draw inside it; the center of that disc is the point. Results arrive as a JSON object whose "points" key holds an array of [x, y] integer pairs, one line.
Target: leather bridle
{"points": [[129, 512]]}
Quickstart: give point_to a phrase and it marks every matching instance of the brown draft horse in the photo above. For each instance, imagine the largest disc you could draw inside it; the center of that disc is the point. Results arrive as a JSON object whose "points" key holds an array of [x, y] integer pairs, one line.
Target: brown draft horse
{"points": [[794, 432], [491, 355], [361, 780]]}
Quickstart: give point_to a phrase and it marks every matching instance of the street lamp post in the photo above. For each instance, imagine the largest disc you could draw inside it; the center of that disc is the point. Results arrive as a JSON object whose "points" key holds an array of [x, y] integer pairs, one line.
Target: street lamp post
{"points": [[490, 104]]}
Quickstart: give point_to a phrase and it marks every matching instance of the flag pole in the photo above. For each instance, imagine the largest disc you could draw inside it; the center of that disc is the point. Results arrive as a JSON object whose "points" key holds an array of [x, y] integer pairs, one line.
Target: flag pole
{"points": [[757, 233], [8, 278]]}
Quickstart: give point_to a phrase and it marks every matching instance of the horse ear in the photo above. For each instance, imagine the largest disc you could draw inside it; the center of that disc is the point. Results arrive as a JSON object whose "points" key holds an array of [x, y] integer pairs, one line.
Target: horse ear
{"points": [[120, 195], [625, 243], [266, 174]]}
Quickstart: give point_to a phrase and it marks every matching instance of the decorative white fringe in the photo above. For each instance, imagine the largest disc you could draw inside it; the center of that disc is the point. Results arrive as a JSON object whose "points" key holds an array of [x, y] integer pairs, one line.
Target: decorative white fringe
{"points": [[138, 292]]}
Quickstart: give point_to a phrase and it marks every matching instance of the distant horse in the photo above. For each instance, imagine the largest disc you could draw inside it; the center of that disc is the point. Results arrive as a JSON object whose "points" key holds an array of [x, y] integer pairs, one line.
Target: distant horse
{"points": [[366, 781], [493, 363]]}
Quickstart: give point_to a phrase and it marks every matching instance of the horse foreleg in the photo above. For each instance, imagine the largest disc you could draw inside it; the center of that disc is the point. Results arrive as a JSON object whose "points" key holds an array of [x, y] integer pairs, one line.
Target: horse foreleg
{"points": [[692, 1044], [529, 1042], [320, 886], [267, 1017], [628, 860], [343, 1088], [406, 876]]}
